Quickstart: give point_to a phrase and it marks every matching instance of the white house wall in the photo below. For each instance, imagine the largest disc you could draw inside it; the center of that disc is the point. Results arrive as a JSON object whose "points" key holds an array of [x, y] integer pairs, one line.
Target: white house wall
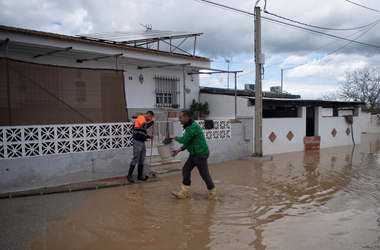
{"points": [[370, 123], [143, 95], [328, 124], [327, 111], [281, 127], [223, 106], [137, 95], [325, 126]]}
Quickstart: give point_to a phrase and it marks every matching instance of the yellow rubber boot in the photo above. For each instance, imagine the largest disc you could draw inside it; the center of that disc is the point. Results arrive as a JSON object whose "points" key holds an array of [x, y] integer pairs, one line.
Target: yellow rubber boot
{"points": [[183, 193], [212, 194]]}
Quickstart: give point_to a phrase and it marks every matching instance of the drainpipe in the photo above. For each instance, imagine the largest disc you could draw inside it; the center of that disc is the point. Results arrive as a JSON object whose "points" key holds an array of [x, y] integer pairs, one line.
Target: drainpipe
{"points": [[8, 81], [9, 94]]}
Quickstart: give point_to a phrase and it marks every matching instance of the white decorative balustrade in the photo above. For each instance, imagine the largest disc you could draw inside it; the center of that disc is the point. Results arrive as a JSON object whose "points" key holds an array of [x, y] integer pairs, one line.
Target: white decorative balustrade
{"points": [[29, 141], [26, 141], [221, 129]]}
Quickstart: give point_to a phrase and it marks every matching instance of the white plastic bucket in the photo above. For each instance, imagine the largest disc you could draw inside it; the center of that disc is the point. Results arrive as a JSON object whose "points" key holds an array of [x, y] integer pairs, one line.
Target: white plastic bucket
{"points": [[165, 150]]}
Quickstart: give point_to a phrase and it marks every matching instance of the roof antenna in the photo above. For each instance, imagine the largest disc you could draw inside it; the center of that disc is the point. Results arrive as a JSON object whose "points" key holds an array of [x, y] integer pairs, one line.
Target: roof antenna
{"points": [[228, 74], [147, 26]]}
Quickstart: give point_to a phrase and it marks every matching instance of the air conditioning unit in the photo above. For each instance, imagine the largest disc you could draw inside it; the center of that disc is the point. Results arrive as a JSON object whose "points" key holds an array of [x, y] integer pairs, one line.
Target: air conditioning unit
{"points": [[275, 89], [250, 87]]}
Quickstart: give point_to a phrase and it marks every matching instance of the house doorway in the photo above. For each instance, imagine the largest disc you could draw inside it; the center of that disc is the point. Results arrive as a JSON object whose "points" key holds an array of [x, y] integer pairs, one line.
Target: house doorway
{"points": [[310, 118]]}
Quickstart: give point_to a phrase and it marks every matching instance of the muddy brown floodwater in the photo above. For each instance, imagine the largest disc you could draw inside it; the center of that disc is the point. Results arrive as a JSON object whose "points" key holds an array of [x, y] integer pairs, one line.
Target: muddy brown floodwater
{"points": [[318, 199]]}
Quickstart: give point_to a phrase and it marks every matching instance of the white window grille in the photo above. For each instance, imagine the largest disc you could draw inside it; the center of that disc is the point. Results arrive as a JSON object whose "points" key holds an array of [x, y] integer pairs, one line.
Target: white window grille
{"points": [[166, 91]]}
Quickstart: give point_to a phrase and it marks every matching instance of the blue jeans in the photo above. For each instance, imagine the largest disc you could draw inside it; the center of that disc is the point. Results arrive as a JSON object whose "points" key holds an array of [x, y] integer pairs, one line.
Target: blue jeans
{"points": [[199, 161]]}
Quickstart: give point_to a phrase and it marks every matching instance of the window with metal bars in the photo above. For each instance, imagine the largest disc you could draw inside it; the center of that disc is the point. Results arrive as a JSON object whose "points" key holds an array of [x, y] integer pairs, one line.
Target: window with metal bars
{"points": [[166, 91]]}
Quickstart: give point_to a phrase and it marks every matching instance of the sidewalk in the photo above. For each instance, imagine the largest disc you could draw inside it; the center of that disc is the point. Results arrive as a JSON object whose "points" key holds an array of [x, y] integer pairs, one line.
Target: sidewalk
{"points": [[74, 187]]}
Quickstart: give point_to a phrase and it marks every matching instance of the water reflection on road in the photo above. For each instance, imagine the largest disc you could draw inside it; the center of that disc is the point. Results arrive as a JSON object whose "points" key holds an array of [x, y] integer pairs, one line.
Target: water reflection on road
{"points": [[318, 199]]}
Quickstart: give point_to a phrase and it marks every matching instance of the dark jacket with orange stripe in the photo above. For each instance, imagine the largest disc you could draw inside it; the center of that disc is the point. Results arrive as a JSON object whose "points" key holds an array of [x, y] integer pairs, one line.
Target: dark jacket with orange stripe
{"points": [[139, 130]]}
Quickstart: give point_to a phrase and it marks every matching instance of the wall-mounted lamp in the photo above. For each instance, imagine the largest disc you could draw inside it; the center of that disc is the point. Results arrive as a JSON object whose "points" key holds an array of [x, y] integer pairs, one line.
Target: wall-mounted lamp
{"points": [[141, 78]]}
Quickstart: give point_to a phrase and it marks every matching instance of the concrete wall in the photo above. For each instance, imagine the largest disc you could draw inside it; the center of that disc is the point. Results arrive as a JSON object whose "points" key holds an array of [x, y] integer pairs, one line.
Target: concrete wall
{"points": [[232, 148], [221, 149], [54, 170], [25, 173]]}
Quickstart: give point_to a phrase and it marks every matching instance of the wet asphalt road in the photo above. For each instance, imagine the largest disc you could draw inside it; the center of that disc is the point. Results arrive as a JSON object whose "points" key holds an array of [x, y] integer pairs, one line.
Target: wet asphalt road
{"points": [[23, 219]]}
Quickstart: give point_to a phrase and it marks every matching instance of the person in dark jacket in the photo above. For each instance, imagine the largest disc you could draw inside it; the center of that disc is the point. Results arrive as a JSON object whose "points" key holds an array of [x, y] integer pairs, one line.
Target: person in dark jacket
{"points": [[140, 135], [195, 143]]}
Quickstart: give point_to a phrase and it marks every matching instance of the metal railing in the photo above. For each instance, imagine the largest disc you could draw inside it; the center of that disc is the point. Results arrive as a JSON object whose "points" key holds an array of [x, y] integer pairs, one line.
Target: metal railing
{"points": [[161, 131]]}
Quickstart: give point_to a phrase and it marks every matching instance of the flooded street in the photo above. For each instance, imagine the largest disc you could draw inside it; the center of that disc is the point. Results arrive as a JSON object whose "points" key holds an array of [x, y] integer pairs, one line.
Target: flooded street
{"points": [[318, 199]]}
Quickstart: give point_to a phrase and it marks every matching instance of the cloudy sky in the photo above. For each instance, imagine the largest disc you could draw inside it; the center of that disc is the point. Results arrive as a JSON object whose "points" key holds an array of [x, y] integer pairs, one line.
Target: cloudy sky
{"points": [[342, 35]]}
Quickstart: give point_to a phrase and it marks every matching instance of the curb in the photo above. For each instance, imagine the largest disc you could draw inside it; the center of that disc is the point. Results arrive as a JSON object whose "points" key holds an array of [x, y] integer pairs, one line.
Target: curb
{"points": [[75, 187]]}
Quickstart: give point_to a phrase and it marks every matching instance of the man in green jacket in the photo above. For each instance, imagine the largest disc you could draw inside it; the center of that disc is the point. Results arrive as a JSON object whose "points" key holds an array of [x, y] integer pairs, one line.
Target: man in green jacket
{"points": [[194, 141]]}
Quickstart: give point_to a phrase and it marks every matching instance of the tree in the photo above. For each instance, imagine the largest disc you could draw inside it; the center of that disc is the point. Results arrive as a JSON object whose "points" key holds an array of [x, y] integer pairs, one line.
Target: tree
{"points": [[199, 107], [361, 85]]}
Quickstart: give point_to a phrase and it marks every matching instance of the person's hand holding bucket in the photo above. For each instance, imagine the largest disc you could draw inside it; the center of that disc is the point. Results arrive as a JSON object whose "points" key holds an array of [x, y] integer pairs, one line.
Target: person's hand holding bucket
{"points": [[175, 152]]}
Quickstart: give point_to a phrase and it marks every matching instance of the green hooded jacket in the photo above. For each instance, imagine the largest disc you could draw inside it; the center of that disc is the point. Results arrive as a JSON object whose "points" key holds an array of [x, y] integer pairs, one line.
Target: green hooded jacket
{"points": [[193, 140]]}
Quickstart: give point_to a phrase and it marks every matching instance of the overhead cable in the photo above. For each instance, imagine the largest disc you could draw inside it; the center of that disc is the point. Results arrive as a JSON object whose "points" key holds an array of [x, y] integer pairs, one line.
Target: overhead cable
{"points": [[318, 27], [326, 46], [365, 7], [288, 24], [250, 72], [314, 26], [334, 50]]}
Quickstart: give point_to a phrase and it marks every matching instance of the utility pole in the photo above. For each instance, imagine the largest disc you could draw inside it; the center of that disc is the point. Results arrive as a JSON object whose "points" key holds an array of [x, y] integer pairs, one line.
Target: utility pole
{"points": [[258, 93]]}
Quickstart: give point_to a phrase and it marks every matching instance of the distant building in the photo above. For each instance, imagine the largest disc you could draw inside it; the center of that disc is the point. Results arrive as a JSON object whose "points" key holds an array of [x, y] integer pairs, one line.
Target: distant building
{"points": [[289, 123]]}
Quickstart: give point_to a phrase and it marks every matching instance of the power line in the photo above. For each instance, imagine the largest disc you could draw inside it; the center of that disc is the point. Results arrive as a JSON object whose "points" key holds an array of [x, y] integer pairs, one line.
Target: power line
{"points": [[365, 7], [284, 23], [335, 50], [250, 72], [221, 6], [298, 27], [314, 26], [320, 57], [318, 27], [326, 46]]}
